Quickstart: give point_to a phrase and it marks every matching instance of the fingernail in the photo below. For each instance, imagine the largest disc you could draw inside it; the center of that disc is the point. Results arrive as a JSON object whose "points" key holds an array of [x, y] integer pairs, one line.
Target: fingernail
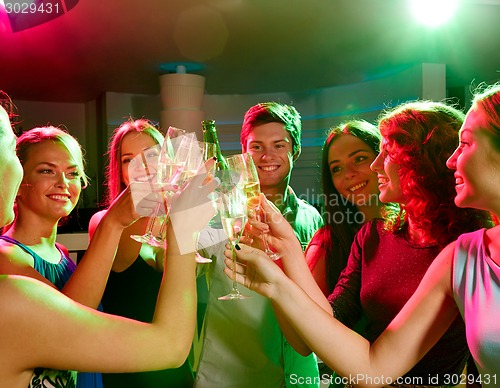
{"points": [[212, 196], [237, 247]]}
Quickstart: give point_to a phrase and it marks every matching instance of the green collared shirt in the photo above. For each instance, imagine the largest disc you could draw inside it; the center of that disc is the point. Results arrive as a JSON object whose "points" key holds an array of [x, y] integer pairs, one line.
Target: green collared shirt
{"points": [[241, 343]]}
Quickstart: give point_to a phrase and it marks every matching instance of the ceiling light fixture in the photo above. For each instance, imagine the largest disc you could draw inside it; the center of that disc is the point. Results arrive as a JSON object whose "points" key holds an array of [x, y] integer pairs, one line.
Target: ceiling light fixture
{"points": [[434, 13]]}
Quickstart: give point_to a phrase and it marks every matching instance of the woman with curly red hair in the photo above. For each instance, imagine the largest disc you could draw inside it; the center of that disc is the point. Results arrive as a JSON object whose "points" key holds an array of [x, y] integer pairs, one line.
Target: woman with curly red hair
{"points": [[463, 280], [418, 137], [390, 256]]}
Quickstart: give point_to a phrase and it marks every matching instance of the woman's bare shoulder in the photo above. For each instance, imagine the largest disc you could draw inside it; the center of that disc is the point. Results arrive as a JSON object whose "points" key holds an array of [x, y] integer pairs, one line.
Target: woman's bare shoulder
{"points": [[95, 220]]}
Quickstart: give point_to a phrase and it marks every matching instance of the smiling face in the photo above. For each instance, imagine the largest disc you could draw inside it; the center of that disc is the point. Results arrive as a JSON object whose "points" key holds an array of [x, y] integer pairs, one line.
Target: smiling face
{"points": [[52, 183], [349, 160], [389, 182], [133, 144], [271, 148], [11, 172], [476, 163]]}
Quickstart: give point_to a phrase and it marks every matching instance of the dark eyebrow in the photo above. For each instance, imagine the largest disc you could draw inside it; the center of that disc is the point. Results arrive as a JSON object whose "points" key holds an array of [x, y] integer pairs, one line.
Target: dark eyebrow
{"points": [[54, 165], [351, 154], [130, 153], [275, 141]]}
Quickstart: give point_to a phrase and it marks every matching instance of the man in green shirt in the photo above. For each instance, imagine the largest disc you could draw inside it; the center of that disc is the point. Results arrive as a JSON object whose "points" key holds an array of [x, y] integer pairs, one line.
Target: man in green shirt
{"points": [[243, 345]]}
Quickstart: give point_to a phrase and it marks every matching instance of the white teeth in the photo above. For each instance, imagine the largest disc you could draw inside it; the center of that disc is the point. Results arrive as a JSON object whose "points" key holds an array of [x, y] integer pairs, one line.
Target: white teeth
{"points": [[269, 168], [383, 180], [354, 188], [145, 178], [59, 197]]}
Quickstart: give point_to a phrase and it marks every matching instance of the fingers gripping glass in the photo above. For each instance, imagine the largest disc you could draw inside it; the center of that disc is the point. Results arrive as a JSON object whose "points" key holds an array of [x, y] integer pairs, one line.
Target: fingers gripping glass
{"points": [[143, 169], [243, 165], [178, 160], [170, 164]]}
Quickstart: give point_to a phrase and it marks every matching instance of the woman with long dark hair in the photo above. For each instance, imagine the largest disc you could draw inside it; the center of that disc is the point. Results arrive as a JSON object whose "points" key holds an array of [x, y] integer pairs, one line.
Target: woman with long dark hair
{"points": [[350, 196]]}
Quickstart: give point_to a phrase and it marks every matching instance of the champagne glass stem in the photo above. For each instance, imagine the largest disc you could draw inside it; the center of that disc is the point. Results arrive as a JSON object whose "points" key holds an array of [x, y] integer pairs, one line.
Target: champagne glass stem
{"points": [[235, 292], [159, 240], [163, 227], [272, 255], [147, 237], [152, 220], [233, 275]]}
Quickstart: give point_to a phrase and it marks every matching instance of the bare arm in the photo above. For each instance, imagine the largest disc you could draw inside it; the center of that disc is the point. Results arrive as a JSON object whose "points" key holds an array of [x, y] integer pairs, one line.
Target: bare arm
{"points": [[72, 336], [86, 285], [417, 327]]}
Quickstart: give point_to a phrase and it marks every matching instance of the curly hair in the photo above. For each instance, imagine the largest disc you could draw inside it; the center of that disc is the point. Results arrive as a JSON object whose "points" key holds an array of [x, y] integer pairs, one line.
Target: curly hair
{"points": [[336, 237], [114, 179], [422, 135]]}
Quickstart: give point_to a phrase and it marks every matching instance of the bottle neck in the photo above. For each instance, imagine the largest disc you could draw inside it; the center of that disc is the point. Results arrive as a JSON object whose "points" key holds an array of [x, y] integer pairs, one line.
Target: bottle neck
{"points": [[210, 136]]}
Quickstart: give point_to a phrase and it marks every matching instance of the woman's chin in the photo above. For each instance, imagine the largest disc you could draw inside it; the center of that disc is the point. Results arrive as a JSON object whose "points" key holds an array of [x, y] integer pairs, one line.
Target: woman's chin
{"points": [[462, 201]]}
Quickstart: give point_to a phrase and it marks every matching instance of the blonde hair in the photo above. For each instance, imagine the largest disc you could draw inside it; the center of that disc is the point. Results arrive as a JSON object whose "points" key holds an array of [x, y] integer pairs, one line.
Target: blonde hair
{"points": [[57, 135]]}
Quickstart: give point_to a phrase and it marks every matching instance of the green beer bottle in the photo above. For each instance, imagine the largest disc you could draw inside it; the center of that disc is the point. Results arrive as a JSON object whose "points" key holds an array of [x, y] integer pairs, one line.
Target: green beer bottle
{"points": [[210, 136]]}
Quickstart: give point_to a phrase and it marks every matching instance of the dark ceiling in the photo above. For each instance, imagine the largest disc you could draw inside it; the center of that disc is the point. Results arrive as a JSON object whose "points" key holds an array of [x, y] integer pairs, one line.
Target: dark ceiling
{"points": [[244, 46]]}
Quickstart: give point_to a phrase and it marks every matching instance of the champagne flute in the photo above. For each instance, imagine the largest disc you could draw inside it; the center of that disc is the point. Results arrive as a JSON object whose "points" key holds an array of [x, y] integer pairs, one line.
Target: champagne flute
{"points": [[232, 207], [144, 168], [174, 171], [166, 170], [243, 165]]}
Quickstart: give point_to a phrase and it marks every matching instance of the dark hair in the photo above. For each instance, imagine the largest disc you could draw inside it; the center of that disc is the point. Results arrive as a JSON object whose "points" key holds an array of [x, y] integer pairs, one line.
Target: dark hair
{"points": [[336, 237], [422, 135], [273, 112]]}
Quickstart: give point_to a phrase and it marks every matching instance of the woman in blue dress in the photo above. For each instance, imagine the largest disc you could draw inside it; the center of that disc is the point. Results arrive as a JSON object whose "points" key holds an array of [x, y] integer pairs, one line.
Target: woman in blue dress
{"points": [[53, 179], [42, 327]]}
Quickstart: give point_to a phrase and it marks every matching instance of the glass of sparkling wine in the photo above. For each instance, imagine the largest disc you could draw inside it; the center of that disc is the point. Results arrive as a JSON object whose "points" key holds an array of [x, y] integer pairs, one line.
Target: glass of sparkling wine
{"points": [[243, 165], [179, 168], [232, 207], [171, 163]]}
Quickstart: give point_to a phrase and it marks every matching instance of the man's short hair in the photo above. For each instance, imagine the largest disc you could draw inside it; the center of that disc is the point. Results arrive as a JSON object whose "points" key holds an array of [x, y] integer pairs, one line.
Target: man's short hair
{"points": [[273, 112]]}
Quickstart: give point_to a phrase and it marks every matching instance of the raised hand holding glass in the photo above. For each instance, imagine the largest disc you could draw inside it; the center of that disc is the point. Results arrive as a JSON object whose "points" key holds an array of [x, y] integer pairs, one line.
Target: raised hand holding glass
{"points": [[243, 165]]}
